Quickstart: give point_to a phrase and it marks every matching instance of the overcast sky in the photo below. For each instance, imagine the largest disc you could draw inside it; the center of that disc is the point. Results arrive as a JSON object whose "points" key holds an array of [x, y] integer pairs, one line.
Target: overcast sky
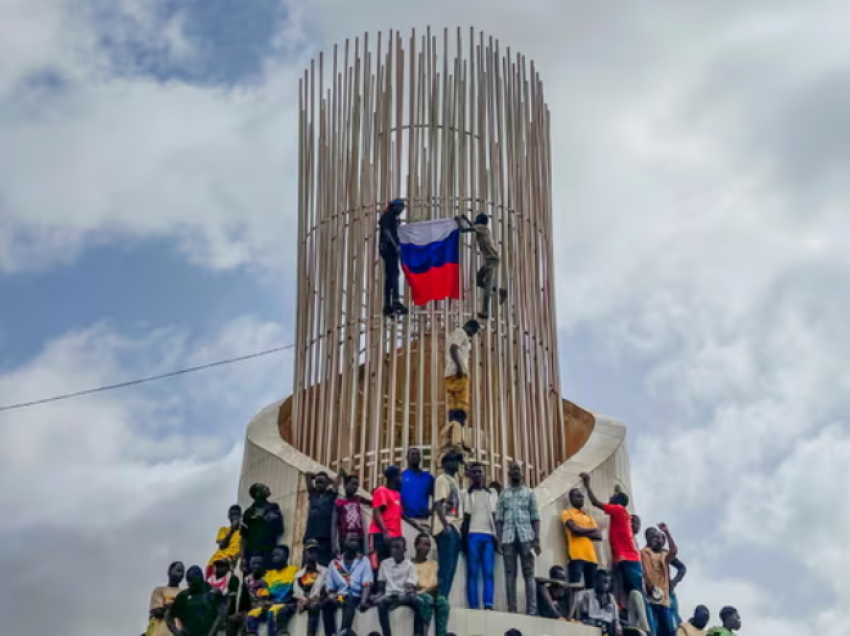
{"points": [[147, 181]]}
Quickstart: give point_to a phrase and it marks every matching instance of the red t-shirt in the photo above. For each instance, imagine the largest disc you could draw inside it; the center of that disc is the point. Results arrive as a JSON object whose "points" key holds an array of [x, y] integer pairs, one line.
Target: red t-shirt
{"points": [[620, 534], [391, 500]]}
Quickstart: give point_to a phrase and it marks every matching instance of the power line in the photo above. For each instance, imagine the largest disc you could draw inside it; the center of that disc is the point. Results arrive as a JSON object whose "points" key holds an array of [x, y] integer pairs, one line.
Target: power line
{"points": [[121, 385]]}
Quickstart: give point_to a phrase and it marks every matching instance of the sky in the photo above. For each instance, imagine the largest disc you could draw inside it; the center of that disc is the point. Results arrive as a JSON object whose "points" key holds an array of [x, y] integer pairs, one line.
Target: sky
{"points": [[147, 185]]}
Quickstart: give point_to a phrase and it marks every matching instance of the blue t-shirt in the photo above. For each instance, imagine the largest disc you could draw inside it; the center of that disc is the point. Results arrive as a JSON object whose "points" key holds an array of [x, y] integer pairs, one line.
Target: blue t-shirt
{"points": [[416, 488]]}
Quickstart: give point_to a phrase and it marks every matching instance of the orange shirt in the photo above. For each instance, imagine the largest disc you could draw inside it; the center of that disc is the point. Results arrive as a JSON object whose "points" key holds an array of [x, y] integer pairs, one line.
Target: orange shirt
{"points": [[579, 548]]}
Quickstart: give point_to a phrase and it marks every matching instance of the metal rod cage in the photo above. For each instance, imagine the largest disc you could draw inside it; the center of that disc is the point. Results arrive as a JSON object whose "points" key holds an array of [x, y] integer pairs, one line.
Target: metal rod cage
{"points": [[455, 127]]}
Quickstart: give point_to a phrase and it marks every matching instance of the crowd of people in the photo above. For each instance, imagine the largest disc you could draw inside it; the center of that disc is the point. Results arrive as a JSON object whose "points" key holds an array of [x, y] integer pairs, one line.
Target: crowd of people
{"points": [[349, 565]]}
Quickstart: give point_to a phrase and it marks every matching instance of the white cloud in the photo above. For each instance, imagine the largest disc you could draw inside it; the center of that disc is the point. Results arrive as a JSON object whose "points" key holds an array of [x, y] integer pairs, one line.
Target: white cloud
{"points": [[701, 232]]}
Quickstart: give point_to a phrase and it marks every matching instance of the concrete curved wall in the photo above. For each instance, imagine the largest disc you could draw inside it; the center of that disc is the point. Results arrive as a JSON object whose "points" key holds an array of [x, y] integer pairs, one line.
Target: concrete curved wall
{"points": [[271, 460]]}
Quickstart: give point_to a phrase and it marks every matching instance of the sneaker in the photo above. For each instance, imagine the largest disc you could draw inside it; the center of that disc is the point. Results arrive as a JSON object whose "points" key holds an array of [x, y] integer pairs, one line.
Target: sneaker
{"points": [[399, 309], [503, 296], [389, 312], [483, 315]]}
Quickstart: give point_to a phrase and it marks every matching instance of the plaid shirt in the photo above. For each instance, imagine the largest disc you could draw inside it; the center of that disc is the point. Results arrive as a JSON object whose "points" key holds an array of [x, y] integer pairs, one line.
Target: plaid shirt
{"points": [[517, 510]]}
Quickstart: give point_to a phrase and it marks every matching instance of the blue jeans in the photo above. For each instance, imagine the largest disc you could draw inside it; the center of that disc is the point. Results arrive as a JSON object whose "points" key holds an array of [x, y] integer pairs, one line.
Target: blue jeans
{"points": [[481, 559], [661, 615], [448, 553], [675, 619], [631, 574]]}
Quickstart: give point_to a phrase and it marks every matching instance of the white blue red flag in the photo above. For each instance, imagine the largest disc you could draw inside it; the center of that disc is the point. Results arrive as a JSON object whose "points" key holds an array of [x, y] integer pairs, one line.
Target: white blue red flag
{"points": [[430, 253]]}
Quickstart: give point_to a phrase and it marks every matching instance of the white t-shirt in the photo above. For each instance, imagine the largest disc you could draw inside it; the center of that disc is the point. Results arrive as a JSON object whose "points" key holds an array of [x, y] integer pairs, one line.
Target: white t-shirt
{"points": [[481, 506], [460, 338], [395, 576]]}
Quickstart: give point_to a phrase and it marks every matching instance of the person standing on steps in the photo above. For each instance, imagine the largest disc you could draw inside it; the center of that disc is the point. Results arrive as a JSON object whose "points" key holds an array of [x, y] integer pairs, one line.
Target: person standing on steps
{"points": [[458, 348], [485, 278], [417, 488], [624, 550], [390, 251], [349, 514], [656, 570], [581, 531], [518, 532], [322, 490], [448, 516], [479, 537], [386, 516]]}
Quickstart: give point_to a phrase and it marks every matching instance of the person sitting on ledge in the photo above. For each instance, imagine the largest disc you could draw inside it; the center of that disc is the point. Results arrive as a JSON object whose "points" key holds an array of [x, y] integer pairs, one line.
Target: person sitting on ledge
{"points": [[433, 604], [322, 492], [553, 598], [228, 540], [597, 607], [262, 526], [271, 593], [223, 580], [397, 580], [309, 587], [731, 620], [348, 584], [696, 626], [197, 609]]}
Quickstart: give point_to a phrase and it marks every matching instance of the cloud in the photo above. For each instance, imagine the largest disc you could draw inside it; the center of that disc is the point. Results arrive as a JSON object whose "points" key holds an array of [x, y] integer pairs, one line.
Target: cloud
{"points": [[116, 485], [96, 156], [701, 232]]}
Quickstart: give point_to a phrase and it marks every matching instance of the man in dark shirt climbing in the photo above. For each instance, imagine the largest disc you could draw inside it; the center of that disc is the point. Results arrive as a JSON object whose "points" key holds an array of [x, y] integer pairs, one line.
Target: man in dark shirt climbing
{"points": [[390, 250]]}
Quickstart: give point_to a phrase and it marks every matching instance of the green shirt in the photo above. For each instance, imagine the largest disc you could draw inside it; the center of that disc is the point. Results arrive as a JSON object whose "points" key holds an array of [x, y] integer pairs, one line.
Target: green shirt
{"points": [[720, 631], [196, 611]]}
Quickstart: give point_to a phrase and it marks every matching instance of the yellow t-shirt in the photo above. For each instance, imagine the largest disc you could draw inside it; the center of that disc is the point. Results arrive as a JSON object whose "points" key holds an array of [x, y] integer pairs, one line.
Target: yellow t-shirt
{"points": [[426, 575], [579, 548], [232, 549]]}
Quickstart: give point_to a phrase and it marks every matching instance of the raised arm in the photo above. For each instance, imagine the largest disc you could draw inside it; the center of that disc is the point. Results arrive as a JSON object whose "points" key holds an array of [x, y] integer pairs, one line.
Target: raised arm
{"points": [[464, 224], [673, 549], [590, 494]]}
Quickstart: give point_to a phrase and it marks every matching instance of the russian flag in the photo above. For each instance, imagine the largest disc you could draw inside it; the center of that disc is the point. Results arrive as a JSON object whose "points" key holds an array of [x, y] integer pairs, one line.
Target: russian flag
{"points": [[430, 253]]}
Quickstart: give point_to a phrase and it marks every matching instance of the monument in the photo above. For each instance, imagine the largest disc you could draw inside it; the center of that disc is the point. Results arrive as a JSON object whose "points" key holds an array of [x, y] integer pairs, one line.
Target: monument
{"points": [[454, 125]]}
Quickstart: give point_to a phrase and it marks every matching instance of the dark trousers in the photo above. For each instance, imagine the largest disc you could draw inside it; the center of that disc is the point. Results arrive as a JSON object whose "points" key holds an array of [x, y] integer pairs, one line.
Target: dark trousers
{"points": [[511, 552], [391, 276], [314, 610], [448, 553], [381, 548], [349, 606], [389, 603], [661, 617]]}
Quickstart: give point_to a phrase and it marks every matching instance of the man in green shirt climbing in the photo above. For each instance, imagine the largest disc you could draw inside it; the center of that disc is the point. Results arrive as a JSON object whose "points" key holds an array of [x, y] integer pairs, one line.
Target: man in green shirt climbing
{"points": [[731, 620]]}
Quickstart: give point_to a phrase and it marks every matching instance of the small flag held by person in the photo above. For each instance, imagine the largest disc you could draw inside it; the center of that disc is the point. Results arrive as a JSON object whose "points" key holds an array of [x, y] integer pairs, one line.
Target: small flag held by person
{"points": [[430, 259]]}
